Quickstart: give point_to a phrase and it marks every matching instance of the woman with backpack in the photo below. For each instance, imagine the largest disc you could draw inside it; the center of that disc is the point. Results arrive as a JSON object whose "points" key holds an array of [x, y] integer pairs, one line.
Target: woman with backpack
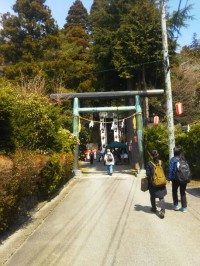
{"points": [[179, 174], [109, 161], [155, 172]]}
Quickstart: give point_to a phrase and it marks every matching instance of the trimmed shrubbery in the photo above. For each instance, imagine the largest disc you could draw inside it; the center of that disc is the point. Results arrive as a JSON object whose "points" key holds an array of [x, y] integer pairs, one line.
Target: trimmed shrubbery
{"points": [[26, 179], [36, 152]]}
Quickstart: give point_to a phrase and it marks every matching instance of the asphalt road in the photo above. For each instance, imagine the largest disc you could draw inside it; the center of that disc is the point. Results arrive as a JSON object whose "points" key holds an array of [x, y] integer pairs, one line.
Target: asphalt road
{"points": [[101, 220]]}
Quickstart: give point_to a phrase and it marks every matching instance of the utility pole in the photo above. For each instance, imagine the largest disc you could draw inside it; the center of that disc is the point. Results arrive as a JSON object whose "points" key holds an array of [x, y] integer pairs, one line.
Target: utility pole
{"points": [[169, 105]]}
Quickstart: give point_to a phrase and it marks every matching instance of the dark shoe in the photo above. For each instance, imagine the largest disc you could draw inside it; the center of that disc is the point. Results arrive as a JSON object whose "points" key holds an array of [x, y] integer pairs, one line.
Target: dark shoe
{"points": [[161, 214], [154, 210]]}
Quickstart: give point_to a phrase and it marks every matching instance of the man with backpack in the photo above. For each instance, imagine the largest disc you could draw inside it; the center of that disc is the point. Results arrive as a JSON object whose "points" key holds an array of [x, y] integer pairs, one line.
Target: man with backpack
{"points": [[179, 174], [109, 161], [156, 182]]}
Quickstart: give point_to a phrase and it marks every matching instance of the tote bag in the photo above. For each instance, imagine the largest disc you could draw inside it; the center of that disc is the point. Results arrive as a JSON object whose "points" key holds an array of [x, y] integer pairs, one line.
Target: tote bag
{"points": [[144, 184]]}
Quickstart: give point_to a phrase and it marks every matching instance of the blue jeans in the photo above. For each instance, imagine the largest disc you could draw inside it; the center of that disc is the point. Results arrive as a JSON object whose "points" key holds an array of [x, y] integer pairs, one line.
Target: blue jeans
{"points": [[109, 169]]}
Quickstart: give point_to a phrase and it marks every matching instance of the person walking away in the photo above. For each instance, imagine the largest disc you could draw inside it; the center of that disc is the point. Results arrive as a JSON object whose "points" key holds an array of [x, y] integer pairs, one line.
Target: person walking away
{"points": [[102, 151], [179, 174], [91, 157], [109, 161], [98, 154], [155, 172]]}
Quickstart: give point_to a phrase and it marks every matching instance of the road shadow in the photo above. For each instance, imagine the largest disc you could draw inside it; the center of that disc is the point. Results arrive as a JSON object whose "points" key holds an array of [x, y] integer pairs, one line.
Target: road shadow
{"points": [[194, 191], [138, 207]]}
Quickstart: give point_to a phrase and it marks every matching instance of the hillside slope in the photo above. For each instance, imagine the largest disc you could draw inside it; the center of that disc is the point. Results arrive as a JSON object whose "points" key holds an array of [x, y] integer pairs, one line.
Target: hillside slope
{"points": [[186, 89]]}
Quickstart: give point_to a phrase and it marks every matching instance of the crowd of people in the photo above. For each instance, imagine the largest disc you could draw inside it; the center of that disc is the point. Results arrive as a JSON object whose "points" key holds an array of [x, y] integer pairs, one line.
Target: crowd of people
{"points": [[120, 155]]}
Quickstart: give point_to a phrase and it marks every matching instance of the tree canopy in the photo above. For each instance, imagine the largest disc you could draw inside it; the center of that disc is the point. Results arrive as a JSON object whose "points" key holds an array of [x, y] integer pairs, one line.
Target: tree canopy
{"points": [[117, 46], [126, 35]]}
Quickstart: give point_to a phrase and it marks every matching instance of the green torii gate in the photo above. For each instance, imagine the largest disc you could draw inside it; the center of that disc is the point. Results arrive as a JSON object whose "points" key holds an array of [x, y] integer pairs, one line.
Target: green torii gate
{"points": [[116, 94]]}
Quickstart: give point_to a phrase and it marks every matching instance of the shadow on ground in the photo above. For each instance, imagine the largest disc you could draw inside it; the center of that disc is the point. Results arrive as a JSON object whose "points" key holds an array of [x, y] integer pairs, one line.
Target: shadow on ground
{"points": [[87, 168], [194, 191], [137, 207]]}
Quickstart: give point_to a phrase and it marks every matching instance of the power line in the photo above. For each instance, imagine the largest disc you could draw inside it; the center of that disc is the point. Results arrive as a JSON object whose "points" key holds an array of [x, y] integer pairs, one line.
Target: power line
{"points": [[125, 67]]}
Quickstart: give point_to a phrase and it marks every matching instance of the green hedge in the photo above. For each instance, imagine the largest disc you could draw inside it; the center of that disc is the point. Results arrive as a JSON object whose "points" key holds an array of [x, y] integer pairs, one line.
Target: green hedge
{"points": [[33, 122], [32, 178], [55, 173]]}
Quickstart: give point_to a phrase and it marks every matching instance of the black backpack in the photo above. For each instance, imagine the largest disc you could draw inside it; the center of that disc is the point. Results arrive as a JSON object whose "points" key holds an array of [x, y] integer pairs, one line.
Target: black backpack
{"points": [[183, 173]]}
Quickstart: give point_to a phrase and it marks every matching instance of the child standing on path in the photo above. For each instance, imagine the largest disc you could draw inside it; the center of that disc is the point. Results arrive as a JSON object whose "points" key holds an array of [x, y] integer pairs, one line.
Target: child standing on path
{"points": [[109, 161], [156, 192]]}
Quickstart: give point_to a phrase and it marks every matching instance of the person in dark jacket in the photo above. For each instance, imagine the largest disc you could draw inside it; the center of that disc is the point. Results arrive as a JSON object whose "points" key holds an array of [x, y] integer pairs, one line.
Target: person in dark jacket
{"points": [[175, 183], [156, 192], [91, 157]]}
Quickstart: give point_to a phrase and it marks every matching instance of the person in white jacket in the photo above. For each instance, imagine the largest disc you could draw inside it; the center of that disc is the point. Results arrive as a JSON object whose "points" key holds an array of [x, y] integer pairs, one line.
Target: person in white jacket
{"points": [[109, 161]]}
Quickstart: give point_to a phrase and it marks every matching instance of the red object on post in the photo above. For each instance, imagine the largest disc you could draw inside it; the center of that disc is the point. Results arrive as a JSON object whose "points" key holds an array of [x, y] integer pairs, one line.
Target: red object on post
{"points": [[156, 120], [179, 108], [130, 147]]}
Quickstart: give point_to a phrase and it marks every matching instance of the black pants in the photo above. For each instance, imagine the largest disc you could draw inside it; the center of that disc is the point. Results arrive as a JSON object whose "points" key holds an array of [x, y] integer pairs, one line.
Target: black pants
{"points": [[153, 202], [175, 186]]}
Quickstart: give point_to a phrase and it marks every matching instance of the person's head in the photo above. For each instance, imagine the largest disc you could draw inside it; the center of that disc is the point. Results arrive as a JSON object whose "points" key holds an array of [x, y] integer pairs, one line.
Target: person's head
{"points": [[154, 154], [177, 151], [108, 150]]}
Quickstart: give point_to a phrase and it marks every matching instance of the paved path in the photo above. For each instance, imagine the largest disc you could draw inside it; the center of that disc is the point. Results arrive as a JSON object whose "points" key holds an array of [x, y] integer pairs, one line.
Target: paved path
{"points": [[99, 220]]}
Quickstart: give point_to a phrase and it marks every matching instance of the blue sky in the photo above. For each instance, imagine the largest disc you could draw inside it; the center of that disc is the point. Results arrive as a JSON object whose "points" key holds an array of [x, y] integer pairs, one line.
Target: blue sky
{"points": [[60, 9]]}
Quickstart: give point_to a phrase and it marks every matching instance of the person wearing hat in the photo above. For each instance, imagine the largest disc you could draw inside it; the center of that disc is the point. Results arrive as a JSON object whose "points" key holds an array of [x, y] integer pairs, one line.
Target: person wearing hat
{"points": [[156, 192], [109, 161]]}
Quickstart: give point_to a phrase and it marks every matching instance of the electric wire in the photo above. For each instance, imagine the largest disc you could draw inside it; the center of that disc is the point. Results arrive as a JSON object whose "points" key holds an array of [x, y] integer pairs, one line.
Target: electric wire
{"points": [[125, 67]]}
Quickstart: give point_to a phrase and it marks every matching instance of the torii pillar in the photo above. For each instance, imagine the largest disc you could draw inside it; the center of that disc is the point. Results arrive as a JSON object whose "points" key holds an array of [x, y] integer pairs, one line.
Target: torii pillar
{"points": [[139, 123], [76, 133]]}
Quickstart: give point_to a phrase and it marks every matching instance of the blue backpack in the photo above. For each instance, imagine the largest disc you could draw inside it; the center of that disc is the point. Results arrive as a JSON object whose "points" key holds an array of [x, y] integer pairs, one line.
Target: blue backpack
{"points": [[183, 173]]}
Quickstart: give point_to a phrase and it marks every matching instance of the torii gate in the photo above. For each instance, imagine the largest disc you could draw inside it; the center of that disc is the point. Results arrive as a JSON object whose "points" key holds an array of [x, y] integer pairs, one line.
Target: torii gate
{"points": [[112, 94]]}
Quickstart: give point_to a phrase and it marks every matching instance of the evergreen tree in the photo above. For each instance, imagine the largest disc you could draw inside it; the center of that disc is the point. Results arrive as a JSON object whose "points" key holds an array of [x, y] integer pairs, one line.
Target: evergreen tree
{"points": [[192, 51], [104, 21], [25, 37], [177, 20], [125, 35], [76, 32], [195, 46], [76, 25], [138, 42], [77, 16]]}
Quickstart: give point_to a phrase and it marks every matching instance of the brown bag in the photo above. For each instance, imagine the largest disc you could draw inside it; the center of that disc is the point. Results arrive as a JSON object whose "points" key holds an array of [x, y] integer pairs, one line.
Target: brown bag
{"points": [[144, 184]]}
